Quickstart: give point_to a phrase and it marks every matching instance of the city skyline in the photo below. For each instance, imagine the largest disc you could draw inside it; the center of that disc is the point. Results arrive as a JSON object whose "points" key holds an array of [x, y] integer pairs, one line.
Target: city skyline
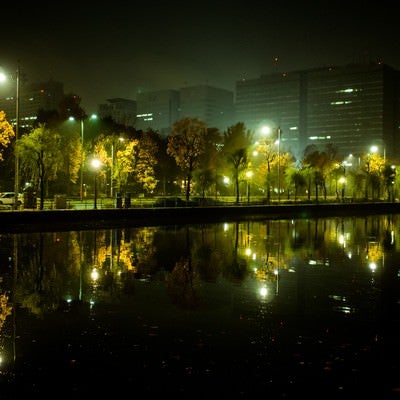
{"points": [[121, 49]]}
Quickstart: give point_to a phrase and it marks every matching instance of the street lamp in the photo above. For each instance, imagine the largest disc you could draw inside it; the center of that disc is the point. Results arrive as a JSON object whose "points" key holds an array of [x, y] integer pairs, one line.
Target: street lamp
{"points": [[374, 149], [279, 164], [342, 180], [93, 116], [249, 174], [267, 130], [96, 163], [16, 158]]}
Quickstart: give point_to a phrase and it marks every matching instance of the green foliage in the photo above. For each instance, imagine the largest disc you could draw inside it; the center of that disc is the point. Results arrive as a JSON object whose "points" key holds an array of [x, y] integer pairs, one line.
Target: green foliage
{"points": [[237, 141], [6, 133], [41, 156]]}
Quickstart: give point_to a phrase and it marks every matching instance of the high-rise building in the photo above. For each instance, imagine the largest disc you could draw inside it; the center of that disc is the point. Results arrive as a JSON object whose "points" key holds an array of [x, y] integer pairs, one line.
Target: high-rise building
{"points": [[212, 105], [350, 107], [32, 98], [157, 110], [122, 111]]}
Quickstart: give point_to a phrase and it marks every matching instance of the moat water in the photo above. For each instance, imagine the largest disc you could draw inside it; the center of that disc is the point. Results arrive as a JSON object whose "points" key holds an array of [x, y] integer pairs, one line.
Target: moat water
{"points": [[278, 308]]}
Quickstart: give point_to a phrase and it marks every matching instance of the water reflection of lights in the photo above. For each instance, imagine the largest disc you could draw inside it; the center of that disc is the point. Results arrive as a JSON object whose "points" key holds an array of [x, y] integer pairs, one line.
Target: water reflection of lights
{"points": [[268, 277], [319, 262], [263, 292], [372, 266], [94, 275], [267, 291], [341, 304]]}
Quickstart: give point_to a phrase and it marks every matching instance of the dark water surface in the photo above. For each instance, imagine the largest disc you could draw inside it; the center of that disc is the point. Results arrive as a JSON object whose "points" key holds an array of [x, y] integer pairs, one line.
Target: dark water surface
{"points": [[270, 309]]}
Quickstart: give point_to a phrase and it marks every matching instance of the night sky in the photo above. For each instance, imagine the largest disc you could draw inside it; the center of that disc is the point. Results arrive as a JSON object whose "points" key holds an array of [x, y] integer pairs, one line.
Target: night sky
{"points": [[118, 48]]}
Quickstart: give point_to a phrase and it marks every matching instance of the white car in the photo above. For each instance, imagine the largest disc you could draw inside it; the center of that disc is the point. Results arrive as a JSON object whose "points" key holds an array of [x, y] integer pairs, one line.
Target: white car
{"points": [[7, 199]]}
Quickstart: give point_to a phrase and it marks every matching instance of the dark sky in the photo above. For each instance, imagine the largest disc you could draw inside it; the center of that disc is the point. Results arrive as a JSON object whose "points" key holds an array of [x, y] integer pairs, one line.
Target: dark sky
{"points": [[118, 48]]}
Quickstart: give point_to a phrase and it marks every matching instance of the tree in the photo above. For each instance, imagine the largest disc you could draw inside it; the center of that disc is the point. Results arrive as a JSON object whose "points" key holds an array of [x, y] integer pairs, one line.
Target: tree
{"points": [[186, 144], [204, 178], [296, 178], [125, 162], [146, 162], [237, 140], [320, 164], [6, 133], [41, 157], [166, 170], [389, 176], [207, 175], [373, 166]]}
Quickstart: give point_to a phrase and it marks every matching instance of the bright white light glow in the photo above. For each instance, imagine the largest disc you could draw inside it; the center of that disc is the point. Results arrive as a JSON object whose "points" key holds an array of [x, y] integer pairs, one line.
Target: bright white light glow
{"points": [[94, 275], [372, 266]]}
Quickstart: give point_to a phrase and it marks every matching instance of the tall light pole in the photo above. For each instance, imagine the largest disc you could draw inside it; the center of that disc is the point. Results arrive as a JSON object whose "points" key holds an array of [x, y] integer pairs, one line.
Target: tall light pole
{"points": [[82, 161], [249, 174], [96, 163], [112, 170], [16, 158], [266, 130], [16, 179], [82, 133], [279, 164]]}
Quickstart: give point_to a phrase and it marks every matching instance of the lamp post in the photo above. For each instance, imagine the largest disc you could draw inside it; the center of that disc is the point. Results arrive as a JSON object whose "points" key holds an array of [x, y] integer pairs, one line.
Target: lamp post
{"points": [[279, 164], [342, 180], [16, 158], [96, 163], [374, 149], [249, 174], [16, 178], [82, 161], [82, 133], [266, 130]]}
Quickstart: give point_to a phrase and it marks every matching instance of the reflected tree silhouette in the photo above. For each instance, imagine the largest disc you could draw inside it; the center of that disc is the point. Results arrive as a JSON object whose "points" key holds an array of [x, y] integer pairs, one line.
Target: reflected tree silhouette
{"points": [[181, 282]]}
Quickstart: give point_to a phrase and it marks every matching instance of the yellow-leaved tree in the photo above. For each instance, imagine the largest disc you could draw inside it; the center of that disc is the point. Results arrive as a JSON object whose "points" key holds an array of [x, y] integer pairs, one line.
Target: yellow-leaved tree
{"points": [[186, 144], [6, 133]]}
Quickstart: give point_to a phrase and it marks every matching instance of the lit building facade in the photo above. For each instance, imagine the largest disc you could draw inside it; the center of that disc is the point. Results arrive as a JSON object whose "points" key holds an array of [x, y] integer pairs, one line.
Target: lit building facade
{"points": [[32, 98], [157, 110], [350, 107]]}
